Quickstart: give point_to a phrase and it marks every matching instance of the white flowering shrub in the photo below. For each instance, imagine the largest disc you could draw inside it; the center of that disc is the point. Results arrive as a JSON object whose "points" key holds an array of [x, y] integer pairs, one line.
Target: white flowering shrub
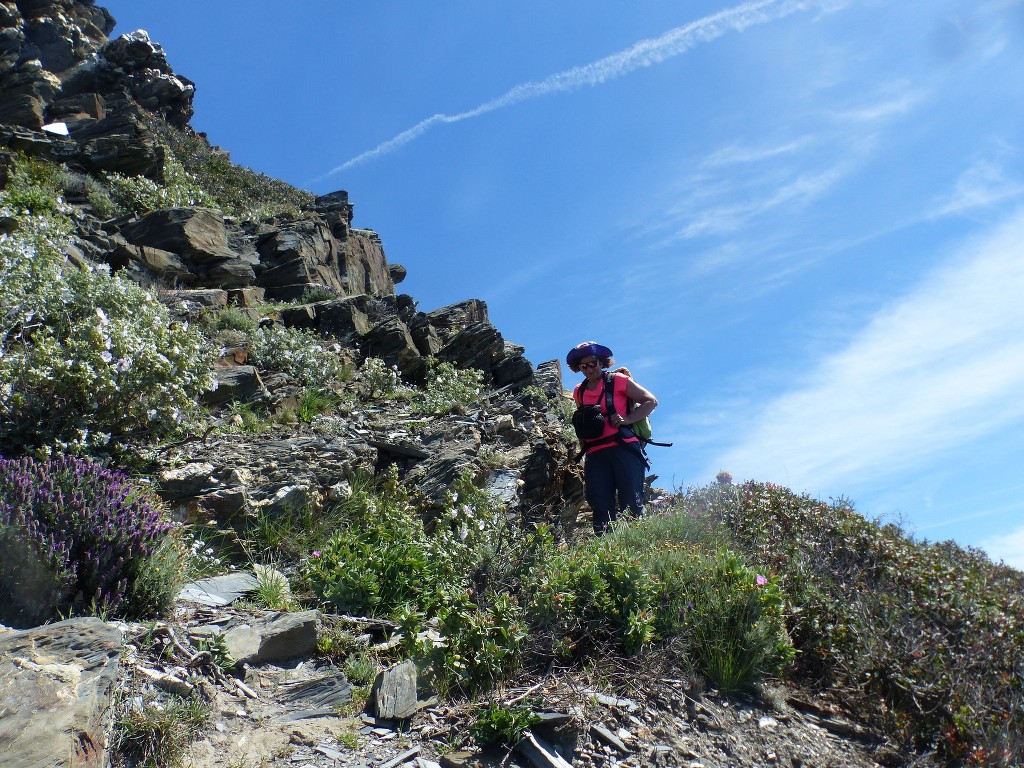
{"points": [[84, 356], [298, 353], [138, 194], [381, 379], [448, 387]]}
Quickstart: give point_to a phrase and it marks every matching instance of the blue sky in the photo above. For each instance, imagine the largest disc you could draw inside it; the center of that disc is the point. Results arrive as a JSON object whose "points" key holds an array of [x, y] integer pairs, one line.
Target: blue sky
{"points": [[800, 224]]}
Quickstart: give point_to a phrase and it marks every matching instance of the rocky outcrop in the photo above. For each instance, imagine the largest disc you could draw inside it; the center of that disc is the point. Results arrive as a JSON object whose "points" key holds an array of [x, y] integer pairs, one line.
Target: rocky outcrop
{"points": [[56, 687]]}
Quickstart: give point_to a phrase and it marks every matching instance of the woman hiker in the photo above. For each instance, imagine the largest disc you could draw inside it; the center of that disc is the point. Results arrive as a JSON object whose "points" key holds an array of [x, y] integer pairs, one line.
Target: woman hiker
{"points": [[613, 471]]}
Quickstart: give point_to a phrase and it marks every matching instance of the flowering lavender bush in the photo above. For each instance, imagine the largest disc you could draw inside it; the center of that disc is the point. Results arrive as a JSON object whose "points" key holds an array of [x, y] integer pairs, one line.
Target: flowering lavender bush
{"points": [[76, 537]]}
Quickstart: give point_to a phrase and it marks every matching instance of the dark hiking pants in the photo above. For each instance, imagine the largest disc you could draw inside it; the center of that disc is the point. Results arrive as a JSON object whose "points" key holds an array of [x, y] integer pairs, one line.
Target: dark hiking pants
{"points": [[614, 479]]}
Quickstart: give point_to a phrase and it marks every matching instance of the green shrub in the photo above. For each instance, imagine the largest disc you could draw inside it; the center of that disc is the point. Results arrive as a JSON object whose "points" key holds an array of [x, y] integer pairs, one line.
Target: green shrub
{"points": [[733, 625], [101, 358], [381, 380], [83, 356], [919, 638], [448, 388], [138, 194], [32, 188], [483, 645], [382, 558], [230, 318], [594, 594], [501, 724], [315, 293]]}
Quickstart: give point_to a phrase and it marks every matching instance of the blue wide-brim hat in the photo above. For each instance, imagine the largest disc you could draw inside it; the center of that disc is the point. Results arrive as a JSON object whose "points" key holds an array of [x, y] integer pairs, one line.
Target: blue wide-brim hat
{"points": [[586, 349]]}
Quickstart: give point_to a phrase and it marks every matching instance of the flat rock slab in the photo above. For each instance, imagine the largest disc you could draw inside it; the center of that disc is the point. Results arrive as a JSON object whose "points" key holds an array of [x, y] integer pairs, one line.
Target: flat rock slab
{"points": [[56, 683], [219, 590]]}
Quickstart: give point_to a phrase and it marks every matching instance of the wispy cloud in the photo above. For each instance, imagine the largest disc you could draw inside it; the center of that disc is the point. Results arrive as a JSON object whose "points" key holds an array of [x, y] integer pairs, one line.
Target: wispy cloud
{"points": [[1008, 548], [644, 53], [983, 184], [938, 369]]}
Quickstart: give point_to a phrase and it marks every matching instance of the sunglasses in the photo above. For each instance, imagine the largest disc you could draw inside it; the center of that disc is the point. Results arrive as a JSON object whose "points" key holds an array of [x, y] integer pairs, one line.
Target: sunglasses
{"points": [[590, 364]]}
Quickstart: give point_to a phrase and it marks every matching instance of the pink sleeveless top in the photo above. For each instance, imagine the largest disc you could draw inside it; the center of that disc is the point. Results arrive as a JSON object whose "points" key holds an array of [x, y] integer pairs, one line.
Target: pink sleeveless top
{"points": [[584, 396]]}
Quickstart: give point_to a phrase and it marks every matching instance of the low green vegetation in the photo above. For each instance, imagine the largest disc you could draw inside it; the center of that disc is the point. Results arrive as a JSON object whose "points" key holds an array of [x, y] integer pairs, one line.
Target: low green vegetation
{"points": [[448, 388], [157, 734], [239, 191], [498, 724]]}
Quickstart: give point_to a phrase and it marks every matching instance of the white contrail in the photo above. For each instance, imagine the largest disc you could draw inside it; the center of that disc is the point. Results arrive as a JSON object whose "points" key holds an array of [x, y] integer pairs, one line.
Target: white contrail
{"points": [[642, 54]]}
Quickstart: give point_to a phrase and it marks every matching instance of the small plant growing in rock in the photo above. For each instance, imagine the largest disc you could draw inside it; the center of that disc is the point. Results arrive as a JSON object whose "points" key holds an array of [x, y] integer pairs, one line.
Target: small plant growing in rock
{"points": [[502, 724], [156, 734], [317, 293], [76, 537], [381, 380], [360, 669], [448, 388], [217, 647]]}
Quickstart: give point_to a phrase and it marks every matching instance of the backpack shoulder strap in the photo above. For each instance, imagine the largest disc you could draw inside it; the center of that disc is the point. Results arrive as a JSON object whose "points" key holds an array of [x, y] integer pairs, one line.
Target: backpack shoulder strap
{"points": [[609, 392], [577, 392]]}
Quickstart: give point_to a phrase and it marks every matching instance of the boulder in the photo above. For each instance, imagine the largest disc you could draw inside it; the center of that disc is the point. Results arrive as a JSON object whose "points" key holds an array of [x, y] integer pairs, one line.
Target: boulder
{"points": [[392, 343], [477, 345], [154, 263], [283, 636], [394, 692], [448, 321], [57, 683], [196, 234], [341, 317], [22, 109], [239, 383]]}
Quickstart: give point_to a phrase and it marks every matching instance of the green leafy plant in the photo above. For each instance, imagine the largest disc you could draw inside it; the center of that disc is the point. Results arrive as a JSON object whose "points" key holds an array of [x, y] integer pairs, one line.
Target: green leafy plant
{"points": [[497, 723], [733, 621], [217, 647], [381, 558], [483, 645]]}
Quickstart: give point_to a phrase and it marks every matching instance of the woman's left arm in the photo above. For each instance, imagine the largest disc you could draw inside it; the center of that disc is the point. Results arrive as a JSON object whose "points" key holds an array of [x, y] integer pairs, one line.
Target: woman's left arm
{"points": [[645, 402]]}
